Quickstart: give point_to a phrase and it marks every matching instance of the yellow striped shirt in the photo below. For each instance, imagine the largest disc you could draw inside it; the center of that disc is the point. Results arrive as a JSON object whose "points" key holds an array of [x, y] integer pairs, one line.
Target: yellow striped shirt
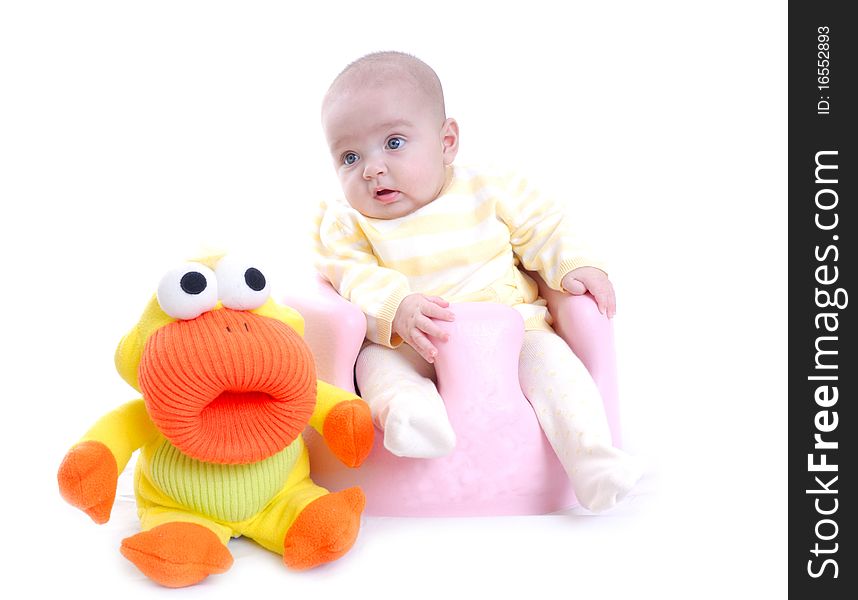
{"points": [[465, 246]]}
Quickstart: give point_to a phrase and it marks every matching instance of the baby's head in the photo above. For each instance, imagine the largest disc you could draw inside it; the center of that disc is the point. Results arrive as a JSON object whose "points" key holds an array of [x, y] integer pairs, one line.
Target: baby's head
{"points": [[389, 135]]}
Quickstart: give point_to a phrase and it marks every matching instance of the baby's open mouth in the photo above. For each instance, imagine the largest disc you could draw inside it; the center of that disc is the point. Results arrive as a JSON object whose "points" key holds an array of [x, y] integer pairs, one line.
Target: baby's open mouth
{"points": [[386, 195]]}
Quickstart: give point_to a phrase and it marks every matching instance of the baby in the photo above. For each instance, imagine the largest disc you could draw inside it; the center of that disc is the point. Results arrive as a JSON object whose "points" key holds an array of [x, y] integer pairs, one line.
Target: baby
{"points": [[417, 233]]}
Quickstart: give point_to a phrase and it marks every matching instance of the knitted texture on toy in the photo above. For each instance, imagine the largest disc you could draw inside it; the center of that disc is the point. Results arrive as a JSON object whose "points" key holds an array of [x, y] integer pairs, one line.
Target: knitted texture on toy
{"points": [[201, 486], [231, 388]]}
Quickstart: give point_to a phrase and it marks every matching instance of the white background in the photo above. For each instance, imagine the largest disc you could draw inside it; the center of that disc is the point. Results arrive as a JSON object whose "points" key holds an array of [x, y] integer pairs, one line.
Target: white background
{"points": [[133, 135]]}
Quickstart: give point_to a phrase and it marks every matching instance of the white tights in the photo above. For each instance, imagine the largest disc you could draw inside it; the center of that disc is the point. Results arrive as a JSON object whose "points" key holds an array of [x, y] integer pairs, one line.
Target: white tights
{"points": [[399, 387]]}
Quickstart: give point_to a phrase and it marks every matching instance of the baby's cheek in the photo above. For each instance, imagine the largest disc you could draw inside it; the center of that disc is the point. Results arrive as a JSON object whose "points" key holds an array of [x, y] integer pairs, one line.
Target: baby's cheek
{"points": [[353, 191]]}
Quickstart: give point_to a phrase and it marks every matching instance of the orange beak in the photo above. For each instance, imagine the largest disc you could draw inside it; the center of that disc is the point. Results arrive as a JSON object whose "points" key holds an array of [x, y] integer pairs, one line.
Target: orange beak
{"points": [[229, 386]]}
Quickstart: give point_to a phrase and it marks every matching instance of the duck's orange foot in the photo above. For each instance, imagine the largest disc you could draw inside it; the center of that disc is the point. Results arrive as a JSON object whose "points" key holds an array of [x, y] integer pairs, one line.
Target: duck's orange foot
{"points": [[177, 554], [325, 530]]}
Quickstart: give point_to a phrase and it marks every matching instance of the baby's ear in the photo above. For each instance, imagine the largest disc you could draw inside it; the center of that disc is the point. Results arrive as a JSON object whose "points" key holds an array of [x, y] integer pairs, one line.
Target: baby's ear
{"points": [[449, 140]]}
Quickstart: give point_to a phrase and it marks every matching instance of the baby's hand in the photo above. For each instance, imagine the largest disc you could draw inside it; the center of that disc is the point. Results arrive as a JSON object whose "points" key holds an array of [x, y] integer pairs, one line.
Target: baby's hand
{"points": [[413, 322], [595, 281]]}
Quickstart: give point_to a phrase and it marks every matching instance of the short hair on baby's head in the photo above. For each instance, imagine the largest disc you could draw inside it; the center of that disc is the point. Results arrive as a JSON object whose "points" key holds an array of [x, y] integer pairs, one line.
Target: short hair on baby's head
{"points": [[378, 68]]}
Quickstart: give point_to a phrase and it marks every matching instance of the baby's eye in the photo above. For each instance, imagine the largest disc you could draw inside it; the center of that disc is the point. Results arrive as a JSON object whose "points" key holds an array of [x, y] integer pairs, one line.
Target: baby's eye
{"points": [[349, 158], [395, 143]]}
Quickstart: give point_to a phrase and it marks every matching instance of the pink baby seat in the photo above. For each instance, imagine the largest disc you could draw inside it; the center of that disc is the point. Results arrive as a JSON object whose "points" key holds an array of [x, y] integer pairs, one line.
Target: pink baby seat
{"points": [[502, 463]]}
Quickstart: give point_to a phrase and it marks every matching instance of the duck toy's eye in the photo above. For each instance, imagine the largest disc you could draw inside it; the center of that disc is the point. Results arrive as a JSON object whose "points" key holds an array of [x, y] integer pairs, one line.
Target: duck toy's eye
{"points": [[241, 285], [188, 291]]}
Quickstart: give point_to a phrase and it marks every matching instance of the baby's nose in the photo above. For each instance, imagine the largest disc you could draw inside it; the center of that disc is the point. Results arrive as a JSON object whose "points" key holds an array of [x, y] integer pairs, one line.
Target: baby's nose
{"points": [[374, 168]]}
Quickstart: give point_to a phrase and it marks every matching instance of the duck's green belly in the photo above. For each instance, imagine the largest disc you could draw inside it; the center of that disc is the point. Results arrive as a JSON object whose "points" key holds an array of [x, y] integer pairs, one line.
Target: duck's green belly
{"points": [[228, 493]]}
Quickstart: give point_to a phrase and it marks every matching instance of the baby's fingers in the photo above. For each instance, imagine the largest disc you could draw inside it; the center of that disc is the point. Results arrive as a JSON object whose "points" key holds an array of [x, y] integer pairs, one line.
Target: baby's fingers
{"points": [[576, 288], [612, 303], [601, 299], [423, 346], [438, 300], [437, 311], [605, 299], [429, 327]]}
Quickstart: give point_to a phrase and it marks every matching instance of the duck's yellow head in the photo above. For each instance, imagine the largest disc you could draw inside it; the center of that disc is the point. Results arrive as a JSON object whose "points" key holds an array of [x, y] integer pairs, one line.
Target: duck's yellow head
{"points": [[223, 368]]}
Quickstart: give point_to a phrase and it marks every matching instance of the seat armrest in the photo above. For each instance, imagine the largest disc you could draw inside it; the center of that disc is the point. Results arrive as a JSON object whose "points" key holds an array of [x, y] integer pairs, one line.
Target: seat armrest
{"points": [[590, 334], [334, 328], [480, 356]]}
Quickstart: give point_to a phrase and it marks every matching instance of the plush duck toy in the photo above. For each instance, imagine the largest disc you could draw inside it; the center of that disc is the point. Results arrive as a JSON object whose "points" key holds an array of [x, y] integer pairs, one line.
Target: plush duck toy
{"points": [[228, 385]]}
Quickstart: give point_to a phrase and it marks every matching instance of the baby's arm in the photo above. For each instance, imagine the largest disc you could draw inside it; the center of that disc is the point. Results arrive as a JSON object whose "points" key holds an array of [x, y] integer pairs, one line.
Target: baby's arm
{"points": [[414, 321], [394, 314], [542, 238]]}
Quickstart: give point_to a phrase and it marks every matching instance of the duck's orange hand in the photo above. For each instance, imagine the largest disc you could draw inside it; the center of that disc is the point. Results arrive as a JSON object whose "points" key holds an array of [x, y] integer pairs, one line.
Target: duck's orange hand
{"points": [[348, 431], [87, 479]]}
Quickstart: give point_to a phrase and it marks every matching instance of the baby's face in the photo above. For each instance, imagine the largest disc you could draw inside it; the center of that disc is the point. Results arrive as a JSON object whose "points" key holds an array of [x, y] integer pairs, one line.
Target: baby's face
{"points": [[389, 147]]}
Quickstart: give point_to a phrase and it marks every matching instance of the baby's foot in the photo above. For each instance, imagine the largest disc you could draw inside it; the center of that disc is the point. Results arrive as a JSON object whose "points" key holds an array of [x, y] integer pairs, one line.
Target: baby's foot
{"points": [[413, 429], [603, 481]]}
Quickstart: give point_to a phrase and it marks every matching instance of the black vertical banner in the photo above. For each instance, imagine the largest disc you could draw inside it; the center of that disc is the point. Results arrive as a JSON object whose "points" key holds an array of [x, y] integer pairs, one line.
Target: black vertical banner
{"points": [[823, 301]]}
